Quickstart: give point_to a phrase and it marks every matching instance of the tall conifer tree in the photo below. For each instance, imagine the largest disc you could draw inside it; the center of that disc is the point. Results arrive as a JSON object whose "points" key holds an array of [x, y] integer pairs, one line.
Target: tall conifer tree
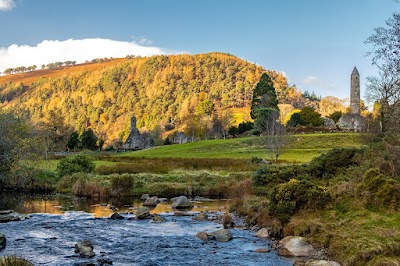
{"points": [[264, 96]]}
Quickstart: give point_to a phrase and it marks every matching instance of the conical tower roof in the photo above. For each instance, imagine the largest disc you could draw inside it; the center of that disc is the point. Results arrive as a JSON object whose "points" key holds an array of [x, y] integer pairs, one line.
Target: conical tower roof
{"points": [[355, 72]]}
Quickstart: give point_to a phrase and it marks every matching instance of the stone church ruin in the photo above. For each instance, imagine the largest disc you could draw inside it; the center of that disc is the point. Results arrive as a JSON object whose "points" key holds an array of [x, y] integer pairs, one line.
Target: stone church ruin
{"points": [[137, 141]]}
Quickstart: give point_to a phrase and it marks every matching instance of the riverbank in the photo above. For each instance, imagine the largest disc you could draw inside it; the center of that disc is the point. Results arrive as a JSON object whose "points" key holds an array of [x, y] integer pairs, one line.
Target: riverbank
{"points": [[346, 203]]}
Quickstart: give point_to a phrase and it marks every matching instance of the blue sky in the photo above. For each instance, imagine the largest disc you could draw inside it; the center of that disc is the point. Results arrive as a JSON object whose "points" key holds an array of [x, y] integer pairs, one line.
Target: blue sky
{"points": [[315, 42]]}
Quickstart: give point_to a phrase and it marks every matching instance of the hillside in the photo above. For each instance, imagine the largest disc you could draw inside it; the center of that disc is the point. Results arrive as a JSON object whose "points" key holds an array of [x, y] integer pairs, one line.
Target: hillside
{"points": [[188, 92]]}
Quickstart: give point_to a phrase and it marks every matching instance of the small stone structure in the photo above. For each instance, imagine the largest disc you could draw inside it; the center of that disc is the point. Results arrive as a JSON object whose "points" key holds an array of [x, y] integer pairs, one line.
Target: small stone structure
{"points": [[135, 140], [353, 120], [329, 123], [181, 138]]}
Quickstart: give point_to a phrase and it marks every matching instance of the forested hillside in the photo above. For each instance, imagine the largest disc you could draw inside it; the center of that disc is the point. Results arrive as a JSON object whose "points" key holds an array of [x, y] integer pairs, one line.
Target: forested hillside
{"points": [[192, 93]]}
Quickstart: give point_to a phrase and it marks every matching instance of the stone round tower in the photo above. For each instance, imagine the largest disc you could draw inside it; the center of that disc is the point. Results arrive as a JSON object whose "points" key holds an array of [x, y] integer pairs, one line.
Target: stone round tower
{"points": [[355, 92]]}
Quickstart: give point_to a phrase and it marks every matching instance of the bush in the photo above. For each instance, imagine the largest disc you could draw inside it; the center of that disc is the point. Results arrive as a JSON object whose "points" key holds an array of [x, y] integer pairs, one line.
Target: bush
{"points": [[164, 189], [382, 190], [256, 160], [288, 198], [121, 185], [329, 163], [75, 164], [268, 175], [65, 184]]}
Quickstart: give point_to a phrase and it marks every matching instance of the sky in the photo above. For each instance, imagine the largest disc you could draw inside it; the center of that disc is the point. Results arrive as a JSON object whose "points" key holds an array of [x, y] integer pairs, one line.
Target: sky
{"points": [[315, 43]]}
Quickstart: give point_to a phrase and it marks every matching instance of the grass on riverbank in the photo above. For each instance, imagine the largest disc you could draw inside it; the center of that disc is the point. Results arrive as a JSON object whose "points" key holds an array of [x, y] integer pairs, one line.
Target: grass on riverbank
{"points": [[356, 236]]}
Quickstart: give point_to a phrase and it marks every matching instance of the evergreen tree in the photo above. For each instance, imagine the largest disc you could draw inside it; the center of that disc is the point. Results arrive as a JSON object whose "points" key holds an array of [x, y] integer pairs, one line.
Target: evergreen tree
{"points": [[311, 117], [73, 141], [88, 140], [295, 120], [264, 96]]}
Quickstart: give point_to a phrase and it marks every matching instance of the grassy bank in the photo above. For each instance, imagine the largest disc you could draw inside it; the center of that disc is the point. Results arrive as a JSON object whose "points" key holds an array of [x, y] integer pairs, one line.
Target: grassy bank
{"points": [[346, 202], [301, 148], [230, 157]]}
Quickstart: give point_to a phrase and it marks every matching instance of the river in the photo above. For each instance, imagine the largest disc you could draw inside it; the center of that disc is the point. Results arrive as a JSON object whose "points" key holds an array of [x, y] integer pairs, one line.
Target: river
{"points": [[58, 223]]}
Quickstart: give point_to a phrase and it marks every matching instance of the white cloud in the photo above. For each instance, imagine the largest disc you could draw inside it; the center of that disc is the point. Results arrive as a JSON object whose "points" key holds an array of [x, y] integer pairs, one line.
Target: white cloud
{"points": [[72, 50], [321, 87], [6, 5], [313, 81]]}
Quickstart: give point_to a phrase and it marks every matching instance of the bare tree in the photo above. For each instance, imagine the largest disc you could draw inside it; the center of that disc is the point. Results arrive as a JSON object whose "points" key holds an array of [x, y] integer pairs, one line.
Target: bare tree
{"points": [[273, 132], [385, 90]]}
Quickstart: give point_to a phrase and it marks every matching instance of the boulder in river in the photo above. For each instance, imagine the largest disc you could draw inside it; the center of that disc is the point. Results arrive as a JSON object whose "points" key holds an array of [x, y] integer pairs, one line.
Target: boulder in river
{"points": [[201, 217], [223, 235], [144, 197], [182, 202], [11, 216], [295, 246], [116, 216], [262, 250], [104, 261], [203, 236], [158, 219], [263, 233], [227, 221], [142, 213], [85, 248], [300, 262], [151, 202], [3, 241]]}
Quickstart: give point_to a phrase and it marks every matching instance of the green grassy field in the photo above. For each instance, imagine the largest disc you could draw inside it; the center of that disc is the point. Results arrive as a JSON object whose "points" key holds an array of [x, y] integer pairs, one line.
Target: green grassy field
{"points": [[302, 148]]}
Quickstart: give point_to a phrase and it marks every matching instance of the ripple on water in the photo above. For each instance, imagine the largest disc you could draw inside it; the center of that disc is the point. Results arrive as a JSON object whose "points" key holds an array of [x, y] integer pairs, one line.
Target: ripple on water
{"points": [[49, 240]]}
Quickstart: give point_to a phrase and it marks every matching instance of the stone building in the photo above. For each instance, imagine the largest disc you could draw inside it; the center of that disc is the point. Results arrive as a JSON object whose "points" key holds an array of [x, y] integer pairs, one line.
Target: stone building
{"points": [[135, 140], [181, 138], [353, 120]]}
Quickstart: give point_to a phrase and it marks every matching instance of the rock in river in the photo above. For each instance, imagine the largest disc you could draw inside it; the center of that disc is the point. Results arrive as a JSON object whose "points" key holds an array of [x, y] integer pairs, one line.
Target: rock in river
{"points": [[158, 219], [2, 241], [262, 250], [11, 216], [295, 246], [227, 221], [144, 197], [142, 213], [203, 236], [85, 249], [182, 202], [116, 216], [151, 202], [263, 233], [223, 235], [300, 262]]}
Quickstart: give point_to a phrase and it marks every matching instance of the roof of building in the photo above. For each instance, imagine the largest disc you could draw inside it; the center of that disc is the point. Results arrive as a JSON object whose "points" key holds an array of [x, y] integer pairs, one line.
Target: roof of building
{"points": [[355, 72]]}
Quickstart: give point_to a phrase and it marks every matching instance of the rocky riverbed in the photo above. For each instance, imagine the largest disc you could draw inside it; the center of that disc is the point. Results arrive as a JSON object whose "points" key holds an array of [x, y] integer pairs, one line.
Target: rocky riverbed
{"points": [[50, 239]]}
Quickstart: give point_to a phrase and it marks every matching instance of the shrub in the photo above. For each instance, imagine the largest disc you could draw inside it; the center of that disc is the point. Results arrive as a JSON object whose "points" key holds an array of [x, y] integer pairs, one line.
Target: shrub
{"points": [[288, 198], [65, 184], [330, 162], [165, 189], [121, 185], [75, 164], [86, 186], [382, 190], [268, 175], [256, 160]]}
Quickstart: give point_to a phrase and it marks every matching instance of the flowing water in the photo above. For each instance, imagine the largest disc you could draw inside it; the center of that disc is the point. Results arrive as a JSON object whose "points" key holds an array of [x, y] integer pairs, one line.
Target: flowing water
{"points": [[57, 224]]}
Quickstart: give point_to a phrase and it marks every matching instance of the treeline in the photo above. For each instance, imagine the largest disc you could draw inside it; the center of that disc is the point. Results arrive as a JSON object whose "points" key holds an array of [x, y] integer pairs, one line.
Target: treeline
{"points": [[58, 64], [20, 69]]}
